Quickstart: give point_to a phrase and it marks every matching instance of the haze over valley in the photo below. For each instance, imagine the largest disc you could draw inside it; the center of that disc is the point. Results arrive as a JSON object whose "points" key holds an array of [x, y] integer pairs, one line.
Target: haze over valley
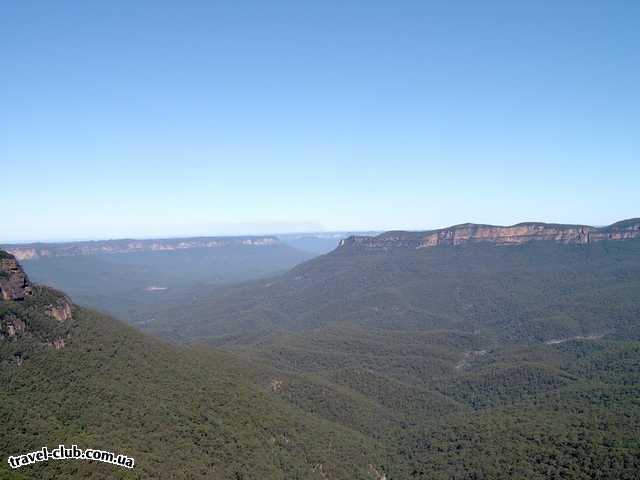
{"points": [[136, 280]]}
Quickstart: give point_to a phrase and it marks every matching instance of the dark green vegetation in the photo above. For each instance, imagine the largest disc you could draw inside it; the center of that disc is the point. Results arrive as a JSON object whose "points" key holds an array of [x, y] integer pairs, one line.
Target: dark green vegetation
{"points": [[454, 406], [181, 413], [468, 362], [135, 286]]}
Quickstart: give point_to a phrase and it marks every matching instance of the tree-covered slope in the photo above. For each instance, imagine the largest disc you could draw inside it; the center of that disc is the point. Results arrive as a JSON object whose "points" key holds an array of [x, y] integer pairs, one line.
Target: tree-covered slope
{"points": [[181, 413], [467, 362], [446, 405]]}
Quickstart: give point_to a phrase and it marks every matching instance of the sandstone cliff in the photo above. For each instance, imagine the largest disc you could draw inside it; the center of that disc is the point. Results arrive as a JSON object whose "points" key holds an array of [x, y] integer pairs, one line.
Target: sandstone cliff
{"points": [[61, 309], [511, 235], [34, 311], [14, 283]]}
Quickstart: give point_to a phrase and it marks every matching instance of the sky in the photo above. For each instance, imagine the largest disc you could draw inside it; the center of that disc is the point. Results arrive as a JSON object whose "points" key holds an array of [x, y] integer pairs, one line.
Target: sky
{"points": [[176, 118]]}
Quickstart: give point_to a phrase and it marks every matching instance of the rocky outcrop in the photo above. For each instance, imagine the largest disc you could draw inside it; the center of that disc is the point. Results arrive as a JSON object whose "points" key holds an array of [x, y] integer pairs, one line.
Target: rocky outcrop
{"points": [[624, 230], [57, 343], [514, 235], [28, 318], [62, 310], [14, 283], [511, 235], [39, 250], [12, 327]]}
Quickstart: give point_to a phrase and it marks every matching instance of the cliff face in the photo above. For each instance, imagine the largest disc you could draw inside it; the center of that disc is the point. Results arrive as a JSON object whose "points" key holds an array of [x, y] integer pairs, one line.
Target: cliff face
{"points": [[512, 235], [39, 312], [61, 309], [34, 250], [14, 283]]}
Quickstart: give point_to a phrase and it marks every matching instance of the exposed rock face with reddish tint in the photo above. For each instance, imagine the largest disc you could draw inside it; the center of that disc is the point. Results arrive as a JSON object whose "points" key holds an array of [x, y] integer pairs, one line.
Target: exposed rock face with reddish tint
{"points": [[27, 316], [62, 309], [516, 234], [12, 327], [512, 235], [57, 343], [14, 283]]}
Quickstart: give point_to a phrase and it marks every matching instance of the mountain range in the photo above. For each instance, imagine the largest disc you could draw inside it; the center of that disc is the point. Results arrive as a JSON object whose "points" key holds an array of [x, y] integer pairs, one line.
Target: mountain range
{"points": [[518, 234], [31, 251], [472, 352], [525, 288]]}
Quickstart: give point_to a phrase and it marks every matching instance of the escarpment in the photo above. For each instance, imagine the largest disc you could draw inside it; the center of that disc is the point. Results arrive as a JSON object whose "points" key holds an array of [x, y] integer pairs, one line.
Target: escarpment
{"points": [[517, 234], [14, 283], [498, 235], [30, 311]]}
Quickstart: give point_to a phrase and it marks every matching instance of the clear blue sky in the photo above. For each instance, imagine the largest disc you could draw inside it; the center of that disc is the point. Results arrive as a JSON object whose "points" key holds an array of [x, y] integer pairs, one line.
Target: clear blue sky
{"points": [[146, 118]]}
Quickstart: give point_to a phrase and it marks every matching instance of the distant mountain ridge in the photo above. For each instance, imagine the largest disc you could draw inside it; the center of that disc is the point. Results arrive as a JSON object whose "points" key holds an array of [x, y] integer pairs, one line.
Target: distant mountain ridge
{"points": [[500, 235], [320, 242], [394, 281], [31, 251]]}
